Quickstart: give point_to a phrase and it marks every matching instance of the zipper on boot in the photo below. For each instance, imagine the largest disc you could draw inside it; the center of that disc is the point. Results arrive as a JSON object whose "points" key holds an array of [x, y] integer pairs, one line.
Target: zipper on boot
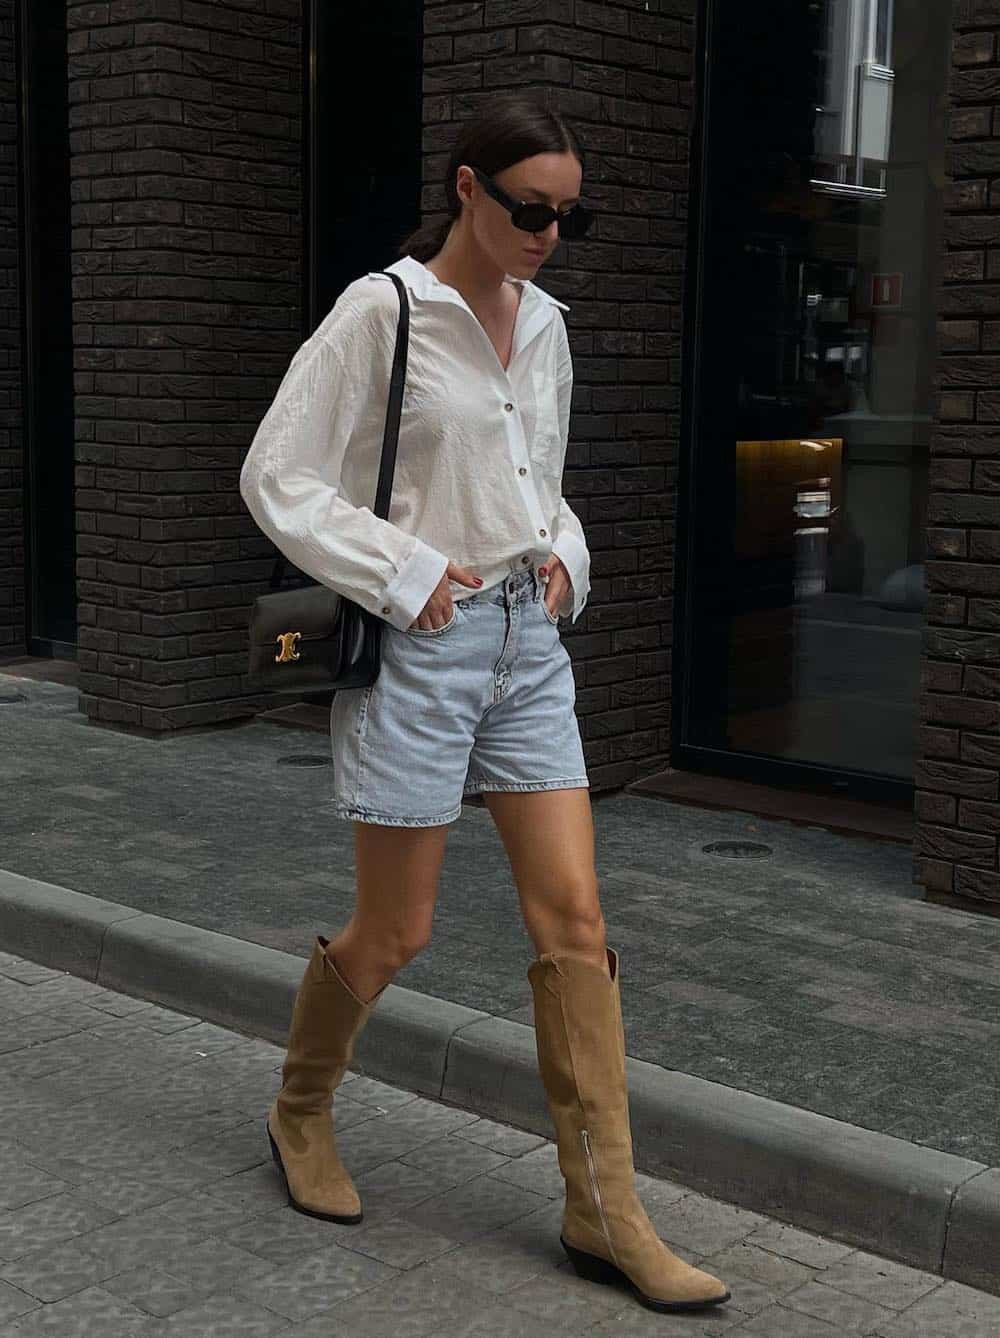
{"points": [[595, 1190]]}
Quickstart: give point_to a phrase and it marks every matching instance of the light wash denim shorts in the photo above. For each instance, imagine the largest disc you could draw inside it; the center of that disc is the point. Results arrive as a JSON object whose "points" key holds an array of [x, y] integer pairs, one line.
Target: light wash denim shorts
{"points": [[486, 702]]}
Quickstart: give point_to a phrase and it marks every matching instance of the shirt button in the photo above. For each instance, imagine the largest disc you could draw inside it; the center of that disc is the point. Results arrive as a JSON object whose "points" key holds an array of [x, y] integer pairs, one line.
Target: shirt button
{"points": [[386, 608], [522, 470], [526, 559], [542, 533], [508, 406]]}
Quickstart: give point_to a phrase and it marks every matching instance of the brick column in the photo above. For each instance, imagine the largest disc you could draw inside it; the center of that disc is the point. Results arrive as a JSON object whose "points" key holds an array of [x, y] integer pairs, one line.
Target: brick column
{"points": [[12, 612], [958, 769], [186, 146], [621, 71]]}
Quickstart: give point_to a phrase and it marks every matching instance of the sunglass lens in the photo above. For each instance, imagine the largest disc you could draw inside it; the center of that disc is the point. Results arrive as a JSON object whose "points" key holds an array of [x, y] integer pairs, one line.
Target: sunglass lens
{"points": [[533, 217]]}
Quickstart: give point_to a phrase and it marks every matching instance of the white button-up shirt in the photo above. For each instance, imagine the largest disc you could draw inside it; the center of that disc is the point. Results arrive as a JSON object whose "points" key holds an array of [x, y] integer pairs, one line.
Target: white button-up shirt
{"points": [[478, 476]]}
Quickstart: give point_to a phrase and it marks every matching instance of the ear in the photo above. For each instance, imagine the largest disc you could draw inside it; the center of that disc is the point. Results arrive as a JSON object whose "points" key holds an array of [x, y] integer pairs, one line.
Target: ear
{"points": [[465, 184]]}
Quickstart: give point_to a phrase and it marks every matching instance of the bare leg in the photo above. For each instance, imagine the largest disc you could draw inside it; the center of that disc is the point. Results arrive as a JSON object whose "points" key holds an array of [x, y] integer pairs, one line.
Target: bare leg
{"points": [[549, 839], [397, 880]]}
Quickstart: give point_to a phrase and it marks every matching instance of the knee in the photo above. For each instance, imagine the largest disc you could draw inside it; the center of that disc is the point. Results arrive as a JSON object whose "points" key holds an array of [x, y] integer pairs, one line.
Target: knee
{"points": [[578, 928], [394, 947]]}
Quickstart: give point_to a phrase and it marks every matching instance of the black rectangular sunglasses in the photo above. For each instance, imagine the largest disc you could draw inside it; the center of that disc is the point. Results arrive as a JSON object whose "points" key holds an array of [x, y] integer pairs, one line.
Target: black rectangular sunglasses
{"points": [[532, 216]]}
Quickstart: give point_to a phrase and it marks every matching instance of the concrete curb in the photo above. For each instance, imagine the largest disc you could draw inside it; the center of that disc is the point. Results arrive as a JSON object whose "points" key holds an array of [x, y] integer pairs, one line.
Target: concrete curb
{"points": [[923, 1207]]}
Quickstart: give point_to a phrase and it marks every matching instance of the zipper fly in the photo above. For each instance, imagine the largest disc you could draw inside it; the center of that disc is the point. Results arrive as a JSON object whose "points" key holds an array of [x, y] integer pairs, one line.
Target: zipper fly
{"points": [[595, 1190]]}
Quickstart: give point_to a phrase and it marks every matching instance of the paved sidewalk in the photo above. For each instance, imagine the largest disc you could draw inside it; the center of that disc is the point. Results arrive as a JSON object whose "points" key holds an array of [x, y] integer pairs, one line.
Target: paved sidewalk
{"points": [[816, 976], [138, 1200]]}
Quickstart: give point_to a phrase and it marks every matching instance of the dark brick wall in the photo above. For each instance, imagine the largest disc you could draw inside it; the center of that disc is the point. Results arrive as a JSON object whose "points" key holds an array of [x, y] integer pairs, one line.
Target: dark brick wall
{"points": [[621, 72], [186, 147], [958, 769], [12, 630]]}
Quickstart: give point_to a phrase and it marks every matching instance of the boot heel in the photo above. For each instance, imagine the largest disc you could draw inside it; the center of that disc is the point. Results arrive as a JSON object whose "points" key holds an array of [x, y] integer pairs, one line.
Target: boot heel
{"points": [[281, 1170], [589, 1266]]}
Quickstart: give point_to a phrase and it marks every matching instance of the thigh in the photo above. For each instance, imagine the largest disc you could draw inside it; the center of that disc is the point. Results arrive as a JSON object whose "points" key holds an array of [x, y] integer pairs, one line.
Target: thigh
{"points": [[398, 870], [549, 839]]}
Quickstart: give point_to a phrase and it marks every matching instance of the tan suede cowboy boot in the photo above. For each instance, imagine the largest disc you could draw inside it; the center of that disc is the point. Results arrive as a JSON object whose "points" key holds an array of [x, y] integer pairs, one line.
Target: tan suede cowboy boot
{"points": [[581, 1057], [326, 1020]]}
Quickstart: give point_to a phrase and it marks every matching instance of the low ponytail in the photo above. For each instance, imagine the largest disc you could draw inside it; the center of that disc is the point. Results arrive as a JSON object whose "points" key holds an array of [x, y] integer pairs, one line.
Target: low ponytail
{"points": [[427, 240], [517, 125]]}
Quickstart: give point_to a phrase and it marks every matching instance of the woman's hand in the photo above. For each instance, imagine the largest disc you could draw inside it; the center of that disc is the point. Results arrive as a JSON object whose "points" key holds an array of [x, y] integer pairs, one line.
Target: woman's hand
{"points": [[440, 606], [558, 584]]}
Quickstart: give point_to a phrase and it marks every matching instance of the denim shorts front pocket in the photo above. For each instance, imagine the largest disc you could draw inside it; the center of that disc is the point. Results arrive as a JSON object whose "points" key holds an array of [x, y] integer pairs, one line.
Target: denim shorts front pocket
{"points": [[435, 631], [553, 619]]}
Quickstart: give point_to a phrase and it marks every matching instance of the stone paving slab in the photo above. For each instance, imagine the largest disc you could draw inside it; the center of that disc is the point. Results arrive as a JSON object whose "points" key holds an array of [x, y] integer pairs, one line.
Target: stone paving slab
{"points": [[459, 1238]]}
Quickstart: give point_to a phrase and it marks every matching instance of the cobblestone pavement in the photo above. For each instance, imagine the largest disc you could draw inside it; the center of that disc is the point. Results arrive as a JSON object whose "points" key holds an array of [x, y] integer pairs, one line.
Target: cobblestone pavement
{"points": [[138, 1200], [817, 976]]}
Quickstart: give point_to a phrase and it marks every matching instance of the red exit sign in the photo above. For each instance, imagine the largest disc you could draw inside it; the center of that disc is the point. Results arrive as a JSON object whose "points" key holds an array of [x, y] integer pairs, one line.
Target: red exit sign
{"points": [[887, 290]]}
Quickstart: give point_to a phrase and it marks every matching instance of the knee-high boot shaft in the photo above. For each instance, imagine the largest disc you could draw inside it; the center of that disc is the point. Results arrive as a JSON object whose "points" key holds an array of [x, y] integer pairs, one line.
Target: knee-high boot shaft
{"points": [[327, 1018], [581, 1056]]}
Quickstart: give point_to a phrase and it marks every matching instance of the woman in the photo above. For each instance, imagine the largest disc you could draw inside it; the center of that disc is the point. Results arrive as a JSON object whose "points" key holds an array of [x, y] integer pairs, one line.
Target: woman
{"points": [[478, 560]]}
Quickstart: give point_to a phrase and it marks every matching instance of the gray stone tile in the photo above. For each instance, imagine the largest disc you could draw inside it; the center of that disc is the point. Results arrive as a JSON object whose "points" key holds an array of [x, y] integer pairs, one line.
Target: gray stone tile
{"points": [[470, 1210], [56, 1271], [82, 1315], [394, 1185], [837, 1307], [880, 1280], [219, 1317], [256, 1191], [802, 1246], [313, 1284], [210, 1264], [779, 1322], [14, 1302], [703, 1224], [283, 1235], [30, 1029], [25, 1183], [415, 1304], [154, 1292], [538, 1171], [23, 1230], [202, 1212], [381, 1096], [499, 1137], [396, 1242], [750, 1261], [450, 1160]]}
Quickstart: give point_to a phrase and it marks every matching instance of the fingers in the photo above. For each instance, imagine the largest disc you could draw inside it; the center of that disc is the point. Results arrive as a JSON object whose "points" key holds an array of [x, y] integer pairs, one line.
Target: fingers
{"points": [[462, 575]]}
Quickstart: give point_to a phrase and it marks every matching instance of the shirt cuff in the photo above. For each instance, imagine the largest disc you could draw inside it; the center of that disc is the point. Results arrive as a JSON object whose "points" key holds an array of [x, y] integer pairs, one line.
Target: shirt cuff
{"points": [[576, 559], [411, 587]]}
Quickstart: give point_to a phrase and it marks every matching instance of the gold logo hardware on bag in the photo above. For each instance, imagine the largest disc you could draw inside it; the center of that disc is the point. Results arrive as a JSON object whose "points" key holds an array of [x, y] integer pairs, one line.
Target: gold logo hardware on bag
{"points": [[287, 642]]}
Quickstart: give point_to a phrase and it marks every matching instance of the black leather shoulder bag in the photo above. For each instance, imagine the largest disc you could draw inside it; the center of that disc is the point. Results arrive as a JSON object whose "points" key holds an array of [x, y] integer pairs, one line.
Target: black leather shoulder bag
{"points": [[314, 639]]}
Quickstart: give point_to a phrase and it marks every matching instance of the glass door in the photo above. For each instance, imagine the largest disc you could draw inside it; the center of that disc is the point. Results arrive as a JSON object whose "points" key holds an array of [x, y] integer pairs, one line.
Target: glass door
{"points": [[810, 387]]}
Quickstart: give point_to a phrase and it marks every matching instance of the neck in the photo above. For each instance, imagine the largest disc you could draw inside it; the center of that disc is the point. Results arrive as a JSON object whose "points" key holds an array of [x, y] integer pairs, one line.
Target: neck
{"points": [[463, 265]]}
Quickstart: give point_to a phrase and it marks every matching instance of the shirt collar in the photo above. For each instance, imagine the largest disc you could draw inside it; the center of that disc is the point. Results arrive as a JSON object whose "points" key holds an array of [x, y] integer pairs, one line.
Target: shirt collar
{"points": [[424, 285]]}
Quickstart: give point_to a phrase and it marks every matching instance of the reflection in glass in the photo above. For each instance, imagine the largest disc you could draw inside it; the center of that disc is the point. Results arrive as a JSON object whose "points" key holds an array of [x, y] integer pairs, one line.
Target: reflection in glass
{"points": [[823, 177]]}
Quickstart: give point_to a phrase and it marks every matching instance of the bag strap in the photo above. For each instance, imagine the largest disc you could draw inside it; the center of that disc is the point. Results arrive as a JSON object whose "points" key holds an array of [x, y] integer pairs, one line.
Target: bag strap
{"points": [[390, 436]]}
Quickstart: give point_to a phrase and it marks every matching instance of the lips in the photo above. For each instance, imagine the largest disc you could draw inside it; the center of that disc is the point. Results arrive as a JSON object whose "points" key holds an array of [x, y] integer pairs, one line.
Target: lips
{"points": [[538, 255]]}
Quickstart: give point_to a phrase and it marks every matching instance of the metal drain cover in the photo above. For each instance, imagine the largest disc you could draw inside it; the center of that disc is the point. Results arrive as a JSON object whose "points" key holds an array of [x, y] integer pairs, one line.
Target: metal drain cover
{"points": [[9, 698], [738, 849], [305, 760]]}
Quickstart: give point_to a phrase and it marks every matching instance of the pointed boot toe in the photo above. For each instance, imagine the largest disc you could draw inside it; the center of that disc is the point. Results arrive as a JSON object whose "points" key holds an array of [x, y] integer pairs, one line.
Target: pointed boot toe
{"points": [[316, 1181]]}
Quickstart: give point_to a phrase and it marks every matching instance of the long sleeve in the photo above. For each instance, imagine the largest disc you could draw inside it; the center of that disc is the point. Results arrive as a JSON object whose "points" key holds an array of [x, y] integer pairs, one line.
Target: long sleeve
{"points": [[291, 479], [569, 543]]}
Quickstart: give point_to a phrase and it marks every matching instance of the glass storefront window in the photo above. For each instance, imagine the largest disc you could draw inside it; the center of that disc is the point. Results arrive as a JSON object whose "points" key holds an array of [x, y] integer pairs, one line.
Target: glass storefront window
{"points": [[811, 400]]}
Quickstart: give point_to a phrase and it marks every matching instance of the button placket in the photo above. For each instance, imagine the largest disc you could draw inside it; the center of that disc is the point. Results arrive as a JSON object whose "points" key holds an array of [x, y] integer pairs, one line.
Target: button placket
{"points": [[518, 449]]}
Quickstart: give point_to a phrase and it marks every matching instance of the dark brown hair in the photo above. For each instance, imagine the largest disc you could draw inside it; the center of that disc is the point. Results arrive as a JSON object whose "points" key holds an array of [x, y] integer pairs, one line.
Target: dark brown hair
{"points": [[516, 126]]}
